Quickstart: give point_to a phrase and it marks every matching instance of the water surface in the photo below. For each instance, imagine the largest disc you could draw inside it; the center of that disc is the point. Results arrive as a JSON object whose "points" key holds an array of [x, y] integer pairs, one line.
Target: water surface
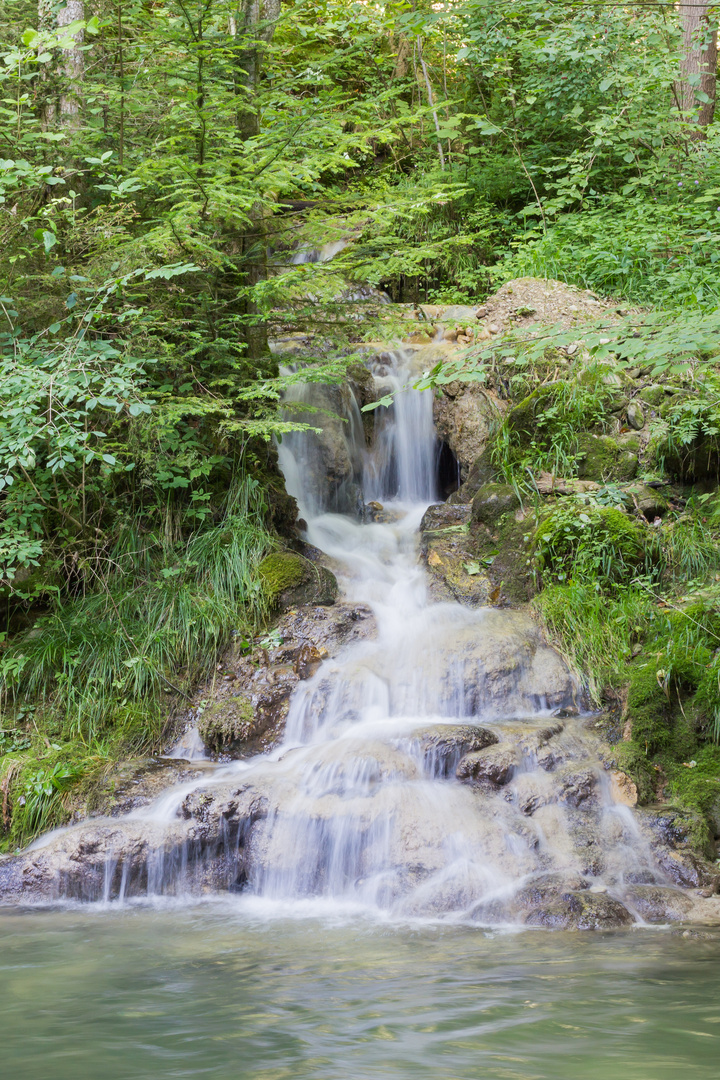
{"points": [[218, 991]]}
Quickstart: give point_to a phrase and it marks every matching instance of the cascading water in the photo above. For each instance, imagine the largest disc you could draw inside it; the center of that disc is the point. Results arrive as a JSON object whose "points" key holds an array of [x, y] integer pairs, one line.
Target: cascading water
{"points": [[360, 804]]}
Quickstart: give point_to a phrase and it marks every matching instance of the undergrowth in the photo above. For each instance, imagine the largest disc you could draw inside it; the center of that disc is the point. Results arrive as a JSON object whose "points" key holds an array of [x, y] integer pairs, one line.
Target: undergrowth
{"points": [[97, 676]]}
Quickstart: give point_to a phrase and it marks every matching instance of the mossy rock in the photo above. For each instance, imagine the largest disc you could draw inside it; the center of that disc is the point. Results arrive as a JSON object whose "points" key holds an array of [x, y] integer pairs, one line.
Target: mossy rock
{"points": [[482, 471], [507, 553], [290, 580], [492, 501], [600, 542], [654, 395], [603, 458], [227, 723], [522, 419]]}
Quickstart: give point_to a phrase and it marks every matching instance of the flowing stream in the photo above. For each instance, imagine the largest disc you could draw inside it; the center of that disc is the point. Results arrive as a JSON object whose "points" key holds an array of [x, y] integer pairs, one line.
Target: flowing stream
{"points": [[361, 807], [371, 925]]}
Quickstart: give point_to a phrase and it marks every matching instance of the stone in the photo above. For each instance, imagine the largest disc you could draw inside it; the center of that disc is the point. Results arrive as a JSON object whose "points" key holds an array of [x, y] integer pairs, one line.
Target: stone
{"points": [[622, 789], [443, 745], [482, 471], [492, 501], [466, 415], [244, 712], [454, 573], [290, 580], [604, 458], [653, 395], [493, 767], [635, 416], [583, 910], [659, 903]]}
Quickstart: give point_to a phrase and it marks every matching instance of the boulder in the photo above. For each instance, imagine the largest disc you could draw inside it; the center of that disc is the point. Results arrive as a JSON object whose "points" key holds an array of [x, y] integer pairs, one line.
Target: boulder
{"points": [[492, 767], [242, 710], [443, 745], [492, 501], [659, 903], [454, 573], [635, 416], [584, 910], [603, 458], [290, 580], [466, 415]]}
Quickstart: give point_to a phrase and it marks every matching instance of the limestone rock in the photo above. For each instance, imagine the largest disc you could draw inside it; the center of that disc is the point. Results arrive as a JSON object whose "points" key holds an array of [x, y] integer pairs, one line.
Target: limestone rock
{"points": [[492, 501], [660, 904], [454, 573], [622, 789], [465, 417], [493, 767], [242, 711], [581, 911], [443, 745]]}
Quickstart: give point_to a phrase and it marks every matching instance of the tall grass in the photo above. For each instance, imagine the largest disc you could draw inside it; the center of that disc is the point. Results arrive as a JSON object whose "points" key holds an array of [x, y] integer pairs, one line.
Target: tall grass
{"points": [[159, 617], [596, 631]]}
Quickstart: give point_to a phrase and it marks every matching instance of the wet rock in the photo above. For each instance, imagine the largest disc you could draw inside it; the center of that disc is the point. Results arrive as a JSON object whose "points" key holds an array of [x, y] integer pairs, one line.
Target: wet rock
{"points": [[581, 911], [492, 767], [670, 833], [623, 790], [328, 628], [577, 788], [291, 580], [443, 745], [137, 783], [506, 664], [660, 904], [466, 415], [453, 571], [242, 711], [492, 501]]}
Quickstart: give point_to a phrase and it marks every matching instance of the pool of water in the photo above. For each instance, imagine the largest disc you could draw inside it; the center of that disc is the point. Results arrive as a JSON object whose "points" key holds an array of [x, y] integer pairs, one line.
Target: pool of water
{"points": [[224, 991]]}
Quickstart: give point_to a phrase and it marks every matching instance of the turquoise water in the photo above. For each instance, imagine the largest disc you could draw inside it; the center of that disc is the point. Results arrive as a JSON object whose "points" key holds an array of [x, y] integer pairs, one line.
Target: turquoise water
{"points": [[218, 991]]}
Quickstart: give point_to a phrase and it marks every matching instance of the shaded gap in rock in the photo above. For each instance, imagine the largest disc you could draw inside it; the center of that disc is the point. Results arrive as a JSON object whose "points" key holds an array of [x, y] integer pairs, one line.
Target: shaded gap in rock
{"points": [[447, 470]]}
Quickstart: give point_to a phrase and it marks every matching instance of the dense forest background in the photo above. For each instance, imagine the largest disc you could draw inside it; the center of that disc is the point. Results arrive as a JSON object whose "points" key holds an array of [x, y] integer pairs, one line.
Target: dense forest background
{"points": [[166, 171]]}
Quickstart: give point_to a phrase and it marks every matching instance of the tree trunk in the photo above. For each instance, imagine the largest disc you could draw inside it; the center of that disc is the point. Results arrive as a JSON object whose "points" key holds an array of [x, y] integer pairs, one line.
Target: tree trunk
{"points": [[696, 89], [62, 80], [255, 30]]}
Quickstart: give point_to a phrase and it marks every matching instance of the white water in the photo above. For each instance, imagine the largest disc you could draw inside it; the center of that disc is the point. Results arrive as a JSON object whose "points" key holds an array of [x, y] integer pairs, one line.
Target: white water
{"points": [[357, 808]]}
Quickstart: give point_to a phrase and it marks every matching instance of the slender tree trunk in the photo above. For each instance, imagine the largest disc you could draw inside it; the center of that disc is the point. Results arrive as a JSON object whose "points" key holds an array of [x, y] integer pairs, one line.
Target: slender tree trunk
{"points": [[62, 89], [48, 103], [254, 28], [699, 62]]}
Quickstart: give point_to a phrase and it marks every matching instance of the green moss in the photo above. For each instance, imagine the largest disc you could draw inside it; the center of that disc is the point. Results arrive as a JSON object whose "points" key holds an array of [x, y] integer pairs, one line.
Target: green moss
{"points": [[226, 722], [290, 579], [695, 785], [507, 550], [603, 458], [523, 418], [492, 501], [600, 542], [279, 571]]}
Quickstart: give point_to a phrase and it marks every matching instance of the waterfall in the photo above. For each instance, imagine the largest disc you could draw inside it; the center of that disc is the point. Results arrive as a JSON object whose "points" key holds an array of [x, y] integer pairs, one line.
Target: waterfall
{"points": [[363, 803]]}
